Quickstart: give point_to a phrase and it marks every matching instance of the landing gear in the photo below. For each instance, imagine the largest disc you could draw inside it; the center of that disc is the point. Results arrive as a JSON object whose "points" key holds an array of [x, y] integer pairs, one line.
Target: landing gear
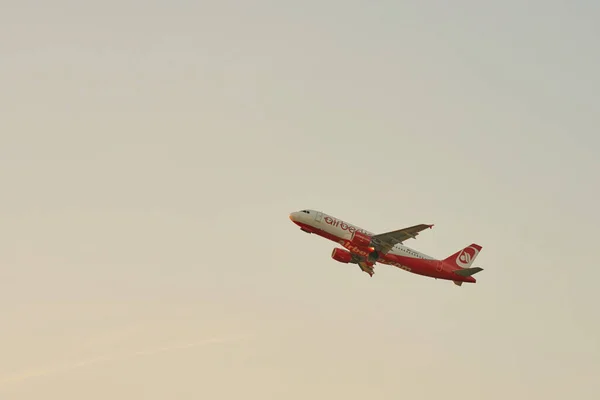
{"points": [[366, 268]]}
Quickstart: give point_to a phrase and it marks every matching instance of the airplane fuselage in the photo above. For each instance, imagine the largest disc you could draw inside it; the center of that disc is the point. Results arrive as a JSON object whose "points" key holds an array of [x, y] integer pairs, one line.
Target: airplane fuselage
{"points": [[400, 256]]}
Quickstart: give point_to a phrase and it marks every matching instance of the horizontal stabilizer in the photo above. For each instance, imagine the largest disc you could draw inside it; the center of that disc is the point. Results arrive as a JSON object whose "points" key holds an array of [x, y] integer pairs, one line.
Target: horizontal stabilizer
{"points": [[468, 271]]}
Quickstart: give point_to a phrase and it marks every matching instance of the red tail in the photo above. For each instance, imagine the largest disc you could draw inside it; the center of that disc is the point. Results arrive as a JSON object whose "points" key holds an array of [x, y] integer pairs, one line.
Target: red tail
{"points": [[465, 257]]}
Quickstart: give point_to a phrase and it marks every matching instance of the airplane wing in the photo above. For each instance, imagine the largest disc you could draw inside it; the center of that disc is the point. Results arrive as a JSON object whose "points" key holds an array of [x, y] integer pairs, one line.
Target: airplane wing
{"points": [[385, 241]]}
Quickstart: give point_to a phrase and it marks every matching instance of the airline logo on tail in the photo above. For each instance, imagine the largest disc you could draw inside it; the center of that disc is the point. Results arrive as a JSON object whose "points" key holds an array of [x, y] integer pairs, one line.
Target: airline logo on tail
{"points": [[466, 256]]}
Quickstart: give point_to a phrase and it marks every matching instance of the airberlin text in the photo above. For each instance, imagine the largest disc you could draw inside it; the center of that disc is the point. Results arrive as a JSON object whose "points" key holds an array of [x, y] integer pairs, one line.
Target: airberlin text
{"points": [[343, 225], [395, 264], [353, 248]]}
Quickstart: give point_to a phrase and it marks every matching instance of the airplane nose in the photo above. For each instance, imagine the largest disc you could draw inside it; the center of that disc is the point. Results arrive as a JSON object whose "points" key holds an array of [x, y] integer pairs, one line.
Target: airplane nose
{"points": [[294, 217]]}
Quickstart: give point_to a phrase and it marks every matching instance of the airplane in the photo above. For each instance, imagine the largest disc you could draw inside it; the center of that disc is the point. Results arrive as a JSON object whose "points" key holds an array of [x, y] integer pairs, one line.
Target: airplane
{"points": [[366, 249]]}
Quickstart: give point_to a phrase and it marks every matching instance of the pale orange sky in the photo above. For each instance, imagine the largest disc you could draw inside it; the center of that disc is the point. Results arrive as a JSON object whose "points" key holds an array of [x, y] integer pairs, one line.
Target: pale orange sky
{"points": [[150, 155]]}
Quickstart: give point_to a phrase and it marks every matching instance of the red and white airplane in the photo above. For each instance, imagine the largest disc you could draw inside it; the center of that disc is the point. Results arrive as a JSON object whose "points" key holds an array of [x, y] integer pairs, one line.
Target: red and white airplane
{"points": [[365, 248]]}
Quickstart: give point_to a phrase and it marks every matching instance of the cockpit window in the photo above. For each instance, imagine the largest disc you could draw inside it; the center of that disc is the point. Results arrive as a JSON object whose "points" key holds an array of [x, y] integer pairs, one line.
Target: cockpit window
{"points": [[305, 211]]}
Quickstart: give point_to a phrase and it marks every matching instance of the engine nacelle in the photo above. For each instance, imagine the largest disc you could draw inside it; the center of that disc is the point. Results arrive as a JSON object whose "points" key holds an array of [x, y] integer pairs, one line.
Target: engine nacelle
{"points": [[343, 256], [359, 239]]}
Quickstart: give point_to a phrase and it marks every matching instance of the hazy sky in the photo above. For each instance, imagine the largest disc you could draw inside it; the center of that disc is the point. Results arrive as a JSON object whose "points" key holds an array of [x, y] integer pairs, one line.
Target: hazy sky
{"points": [[151, 151]]}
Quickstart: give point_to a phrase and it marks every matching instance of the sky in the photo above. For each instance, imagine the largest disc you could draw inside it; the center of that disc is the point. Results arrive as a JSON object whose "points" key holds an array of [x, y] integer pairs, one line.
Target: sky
{"points": [[151, 152]]}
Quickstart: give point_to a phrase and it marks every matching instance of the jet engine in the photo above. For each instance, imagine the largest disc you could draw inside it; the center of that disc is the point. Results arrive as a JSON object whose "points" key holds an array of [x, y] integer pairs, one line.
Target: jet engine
{"points": [[373, 256], [343, 256], [360, 239]]}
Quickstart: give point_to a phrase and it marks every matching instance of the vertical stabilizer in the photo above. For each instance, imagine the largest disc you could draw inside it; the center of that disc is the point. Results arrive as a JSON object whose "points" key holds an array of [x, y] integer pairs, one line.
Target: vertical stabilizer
{"points": [[465, 257]]}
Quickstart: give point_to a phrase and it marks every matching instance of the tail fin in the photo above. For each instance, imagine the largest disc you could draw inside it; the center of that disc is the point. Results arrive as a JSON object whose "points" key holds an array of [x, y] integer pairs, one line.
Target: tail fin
{"points": [[465, 257]]}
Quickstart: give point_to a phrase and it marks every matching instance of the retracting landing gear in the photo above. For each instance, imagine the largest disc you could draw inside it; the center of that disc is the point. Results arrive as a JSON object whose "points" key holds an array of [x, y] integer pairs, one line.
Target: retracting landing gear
{"points": [[366, 268]]}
